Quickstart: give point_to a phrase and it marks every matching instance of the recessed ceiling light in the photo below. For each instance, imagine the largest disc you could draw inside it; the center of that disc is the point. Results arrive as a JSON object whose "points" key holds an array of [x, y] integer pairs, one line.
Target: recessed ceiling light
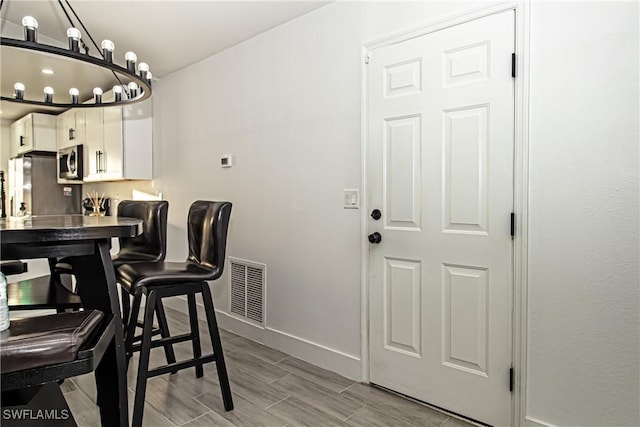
{"points": [[47, 71]]}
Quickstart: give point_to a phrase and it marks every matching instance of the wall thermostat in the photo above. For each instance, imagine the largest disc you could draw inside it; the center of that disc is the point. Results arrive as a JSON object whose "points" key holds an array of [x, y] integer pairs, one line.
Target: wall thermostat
{"points": [[226, 161]]}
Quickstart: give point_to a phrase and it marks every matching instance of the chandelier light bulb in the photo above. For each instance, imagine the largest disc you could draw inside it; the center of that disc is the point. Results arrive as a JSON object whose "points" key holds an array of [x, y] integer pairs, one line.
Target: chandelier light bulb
{"points": [[149, 76], [133, 89], [117, 92], [48, 94], [30, 25], [74, 39], [107, 50], [131, 59], [74, 95], [97, 95], [18, 90], [143, 69]]}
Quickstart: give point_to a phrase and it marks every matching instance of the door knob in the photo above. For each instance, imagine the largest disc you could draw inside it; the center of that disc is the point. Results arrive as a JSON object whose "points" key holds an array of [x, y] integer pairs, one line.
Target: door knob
{"points": [[375, 238], [376, 214]]}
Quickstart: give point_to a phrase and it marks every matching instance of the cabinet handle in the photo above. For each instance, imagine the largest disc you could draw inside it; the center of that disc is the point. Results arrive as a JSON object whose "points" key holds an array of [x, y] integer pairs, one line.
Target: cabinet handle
{"points": [[22, 140], [71, 134], [100, 166]]}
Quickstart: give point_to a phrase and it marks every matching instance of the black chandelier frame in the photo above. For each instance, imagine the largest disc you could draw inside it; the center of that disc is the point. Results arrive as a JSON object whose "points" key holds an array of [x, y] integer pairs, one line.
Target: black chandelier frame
{"points": [[144, 84]]}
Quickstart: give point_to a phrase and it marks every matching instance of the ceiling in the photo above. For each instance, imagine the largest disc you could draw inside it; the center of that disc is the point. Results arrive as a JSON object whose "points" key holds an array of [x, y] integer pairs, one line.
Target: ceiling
{"points": [[168, 35]]}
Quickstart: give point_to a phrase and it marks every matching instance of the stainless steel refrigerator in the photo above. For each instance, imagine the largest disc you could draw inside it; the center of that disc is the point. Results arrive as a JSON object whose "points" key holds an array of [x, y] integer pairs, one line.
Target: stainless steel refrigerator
{"points": [[33, 182]]}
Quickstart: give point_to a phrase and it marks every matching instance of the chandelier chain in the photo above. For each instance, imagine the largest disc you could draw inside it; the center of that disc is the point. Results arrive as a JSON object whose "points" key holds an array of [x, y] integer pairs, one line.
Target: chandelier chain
{"points": [[90, 38]]}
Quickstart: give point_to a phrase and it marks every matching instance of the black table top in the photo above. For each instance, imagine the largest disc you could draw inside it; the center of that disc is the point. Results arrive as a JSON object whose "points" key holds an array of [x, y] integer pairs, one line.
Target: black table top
{"points": [[56, 228]]}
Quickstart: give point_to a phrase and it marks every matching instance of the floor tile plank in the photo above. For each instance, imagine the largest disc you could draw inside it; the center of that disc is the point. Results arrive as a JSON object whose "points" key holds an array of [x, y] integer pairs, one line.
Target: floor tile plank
{"points": [[320, 376], [263, 370], [251, 347], [318, 396], [301, 413], [83, 410], [244, 414], [395, 406], [210, 419], [369, 417], [173, 403]]}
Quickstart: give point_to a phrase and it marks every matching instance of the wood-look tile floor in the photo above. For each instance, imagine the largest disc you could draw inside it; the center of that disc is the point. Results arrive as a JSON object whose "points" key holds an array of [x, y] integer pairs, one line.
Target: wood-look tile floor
{"points": [[270, 388]]}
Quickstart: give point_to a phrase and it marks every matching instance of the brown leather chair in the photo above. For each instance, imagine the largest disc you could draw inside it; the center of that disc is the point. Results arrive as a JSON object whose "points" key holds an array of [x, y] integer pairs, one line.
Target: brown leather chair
{"points": [[38, 352], [207, 235]]}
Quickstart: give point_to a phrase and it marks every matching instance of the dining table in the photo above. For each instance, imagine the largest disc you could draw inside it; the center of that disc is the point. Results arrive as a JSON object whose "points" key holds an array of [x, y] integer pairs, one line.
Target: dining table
{"points": [[86, 242]]}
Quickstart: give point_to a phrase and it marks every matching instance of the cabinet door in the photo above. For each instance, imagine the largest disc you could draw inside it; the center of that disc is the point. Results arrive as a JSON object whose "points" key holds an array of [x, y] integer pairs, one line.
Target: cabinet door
{"points": [[75, 127], [61, 131], [113, 142], [93, 145], [17, 135], [25, 140], [80, 126], [67, 129]]}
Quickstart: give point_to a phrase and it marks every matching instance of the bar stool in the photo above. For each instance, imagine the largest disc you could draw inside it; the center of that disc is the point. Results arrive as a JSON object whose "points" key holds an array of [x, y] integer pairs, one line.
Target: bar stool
{"points": [[207, 227], [150, 245]]}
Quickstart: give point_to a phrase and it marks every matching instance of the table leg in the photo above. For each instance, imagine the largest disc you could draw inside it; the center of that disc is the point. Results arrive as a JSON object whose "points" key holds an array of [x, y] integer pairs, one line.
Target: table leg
{"points": [[97, 289]]}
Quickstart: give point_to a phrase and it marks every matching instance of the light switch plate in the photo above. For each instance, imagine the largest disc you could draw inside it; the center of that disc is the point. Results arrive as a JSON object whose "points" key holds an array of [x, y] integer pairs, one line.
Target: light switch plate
{"points": [[351, 198]]}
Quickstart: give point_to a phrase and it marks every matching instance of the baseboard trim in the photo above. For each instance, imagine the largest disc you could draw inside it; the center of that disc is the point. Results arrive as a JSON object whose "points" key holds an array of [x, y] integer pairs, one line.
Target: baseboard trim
{"points": [[534, 422], [317, 354]]}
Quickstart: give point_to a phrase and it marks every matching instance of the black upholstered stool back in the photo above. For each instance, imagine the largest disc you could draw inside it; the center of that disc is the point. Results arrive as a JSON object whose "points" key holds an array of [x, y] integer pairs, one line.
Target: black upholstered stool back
{"points": [[151, 244], [207, 233]]}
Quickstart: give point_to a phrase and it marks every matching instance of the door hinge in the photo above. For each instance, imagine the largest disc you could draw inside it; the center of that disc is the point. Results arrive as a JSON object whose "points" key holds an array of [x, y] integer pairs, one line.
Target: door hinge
{"points": [[367, 58], [513, 65], [513, 224], [511, 379]]}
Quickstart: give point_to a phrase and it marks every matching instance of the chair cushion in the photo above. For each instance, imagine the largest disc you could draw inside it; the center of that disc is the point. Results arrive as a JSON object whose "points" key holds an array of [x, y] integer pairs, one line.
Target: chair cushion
{"points": [[46, 340], [130, 276], [127, 256]]}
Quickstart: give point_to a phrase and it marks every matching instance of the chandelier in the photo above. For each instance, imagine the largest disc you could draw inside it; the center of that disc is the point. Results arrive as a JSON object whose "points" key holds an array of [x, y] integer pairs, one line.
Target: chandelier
{"points": [[129, 84]]}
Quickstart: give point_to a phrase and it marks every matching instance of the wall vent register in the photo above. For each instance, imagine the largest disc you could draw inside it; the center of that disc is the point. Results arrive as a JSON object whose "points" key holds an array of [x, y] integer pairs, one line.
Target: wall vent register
{"points": [[247, 289]]}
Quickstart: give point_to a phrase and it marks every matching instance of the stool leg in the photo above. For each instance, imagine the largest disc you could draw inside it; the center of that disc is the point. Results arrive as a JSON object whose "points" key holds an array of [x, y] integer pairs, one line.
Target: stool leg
{"points": [[195, 332], [131, 324], [225, 388], [126, 307], [164, 332], [143, 363]]}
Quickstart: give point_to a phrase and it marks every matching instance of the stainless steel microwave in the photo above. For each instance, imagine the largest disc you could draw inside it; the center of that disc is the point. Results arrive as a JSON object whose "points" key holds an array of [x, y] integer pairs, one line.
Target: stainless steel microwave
{"points": [[70, 161]]}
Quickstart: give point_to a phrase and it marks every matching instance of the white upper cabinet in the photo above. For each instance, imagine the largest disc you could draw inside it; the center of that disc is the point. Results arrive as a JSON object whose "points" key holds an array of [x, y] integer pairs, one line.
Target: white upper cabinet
{"points": [[119, 142], [33, 132], [93, 143], [71, 128]]}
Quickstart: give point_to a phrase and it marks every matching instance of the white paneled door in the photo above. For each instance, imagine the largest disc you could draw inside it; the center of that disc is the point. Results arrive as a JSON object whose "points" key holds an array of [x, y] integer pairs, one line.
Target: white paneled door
{"points": [[440, 161]]}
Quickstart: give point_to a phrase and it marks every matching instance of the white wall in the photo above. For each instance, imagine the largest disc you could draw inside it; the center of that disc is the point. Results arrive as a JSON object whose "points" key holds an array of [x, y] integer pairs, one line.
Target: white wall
{"points": [[287, 105], [583, 269]]}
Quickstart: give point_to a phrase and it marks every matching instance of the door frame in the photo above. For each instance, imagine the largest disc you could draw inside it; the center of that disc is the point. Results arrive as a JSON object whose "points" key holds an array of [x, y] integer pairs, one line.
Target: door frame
{"points": [[520, 188]]}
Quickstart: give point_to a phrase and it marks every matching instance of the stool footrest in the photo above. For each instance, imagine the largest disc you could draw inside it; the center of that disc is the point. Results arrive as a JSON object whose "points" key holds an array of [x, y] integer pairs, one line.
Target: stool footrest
{"points": [[164, 341], [173, 367]]}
